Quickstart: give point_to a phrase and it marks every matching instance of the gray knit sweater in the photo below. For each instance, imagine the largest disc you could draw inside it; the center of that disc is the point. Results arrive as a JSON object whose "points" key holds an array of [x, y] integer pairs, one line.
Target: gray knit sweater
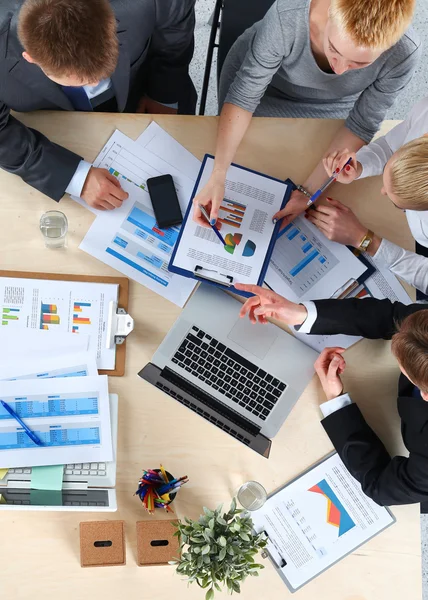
{"points": [[276, 52]]}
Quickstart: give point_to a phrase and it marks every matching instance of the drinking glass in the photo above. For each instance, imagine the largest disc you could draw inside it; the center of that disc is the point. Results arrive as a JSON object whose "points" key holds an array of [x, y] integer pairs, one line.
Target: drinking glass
{"points": [[252, 495], [54, 227]]}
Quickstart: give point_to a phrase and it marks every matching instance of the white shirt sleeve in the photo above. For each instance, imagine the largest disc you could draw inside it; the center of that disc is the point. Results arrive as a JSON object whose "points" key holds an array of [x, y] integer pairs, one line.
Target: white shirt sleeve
{"points": [[306, 326], [409, 266], [331, 406], [77, 182]]}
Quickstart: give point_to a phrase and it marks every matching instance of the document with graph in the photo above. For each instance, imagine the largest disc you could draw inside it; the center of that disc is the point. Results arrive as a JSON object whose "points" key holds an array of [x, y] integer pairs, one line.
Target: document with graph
{"points": [[129, 238], [70, 417], [60, 306], [245, 223], [316, 520], [305, 265]]}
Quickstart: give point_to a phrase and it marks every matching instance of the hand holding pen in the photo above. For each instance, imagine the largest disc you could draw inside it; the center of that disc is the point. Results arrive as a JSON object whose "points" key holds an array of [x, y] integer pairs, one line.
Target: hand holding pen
{"points": [[338, 160], [329, 181]]}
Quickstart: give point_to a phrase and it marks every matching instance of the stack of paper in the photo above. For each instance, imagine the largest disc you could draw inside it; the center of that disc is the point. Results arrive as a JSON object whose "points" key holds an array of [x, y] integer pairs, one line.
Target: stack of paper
{"points": [[54, 388]]}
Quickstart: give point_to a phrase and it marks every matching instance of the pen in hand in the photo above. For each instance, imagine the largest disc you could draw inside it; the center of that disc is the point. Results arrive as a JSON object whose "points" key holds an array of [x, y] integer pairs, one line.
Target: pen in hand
{"points": [[213, 227], [27, 430], [329, 181]]}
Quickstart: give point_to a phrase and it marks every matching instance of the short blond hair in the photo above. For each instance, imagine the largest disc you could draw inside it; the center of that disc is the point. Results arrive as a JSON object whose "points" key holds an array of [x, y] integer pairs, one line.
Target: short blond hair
{"points": [[409, 174], [374, 24]]}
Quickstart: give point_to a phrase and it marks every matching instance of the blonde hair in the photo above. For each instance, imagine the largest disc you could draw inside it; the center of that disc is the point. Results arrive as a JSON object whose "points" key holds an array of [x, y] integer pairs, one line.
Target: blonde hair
{"points": [[374, 24], [409, 174]]}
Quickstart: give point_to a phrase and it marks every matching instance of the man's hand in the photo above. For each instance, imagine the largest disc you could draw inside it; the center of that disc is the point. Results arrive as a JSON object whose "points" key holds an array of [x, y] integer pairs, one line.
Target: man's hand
{"points": [[102, 191], [295, 206], [148, 106], [335, 161], [338, 223], [329, 366], [210, 197], [266, 303]]}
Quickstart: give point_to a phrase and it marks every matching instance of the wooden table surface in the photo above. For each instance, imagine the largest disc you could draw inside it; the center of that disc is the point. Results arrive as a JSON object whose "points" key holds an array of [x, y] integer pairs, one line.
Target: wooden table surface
{"points": [[39, 552]]}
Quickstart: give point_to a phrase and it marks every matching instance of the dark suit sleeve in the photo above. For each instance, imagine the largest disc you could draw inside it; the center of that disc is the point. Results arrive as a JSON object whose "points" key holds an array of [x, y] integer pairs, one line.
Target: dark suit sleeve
{"points": [[369, 318], [171, 50], [386, 480], [27, 153]]}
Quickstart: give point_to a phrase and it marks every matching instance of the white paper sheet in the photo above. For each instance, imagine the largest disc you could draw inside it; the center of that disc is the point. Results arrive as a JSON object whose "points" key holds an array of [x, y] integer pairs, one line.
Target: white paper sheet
{"points": [[128, 238], [305, 265], [65, 306], [164, 146], [71, 416], [316, 520], [17, 344], [245, 216], [33, 367]]}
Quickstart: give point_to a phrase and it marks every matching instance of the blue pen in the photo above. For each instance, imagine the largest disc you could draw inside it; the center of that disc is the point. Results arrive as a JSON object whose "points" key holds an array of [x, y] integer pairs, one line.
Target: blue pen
{"points": [[329, 181], [27, 430], [213, 227]]}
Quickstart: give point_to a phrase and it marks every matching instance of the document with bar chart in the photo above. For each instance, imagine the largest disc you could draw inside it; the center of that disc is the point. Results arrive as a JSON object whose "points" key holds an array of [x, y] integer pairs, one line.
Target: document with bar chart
{"points": [[70, 416], [245, 220], [129, 238], [305, 265], [317, 519], [60, 306]]}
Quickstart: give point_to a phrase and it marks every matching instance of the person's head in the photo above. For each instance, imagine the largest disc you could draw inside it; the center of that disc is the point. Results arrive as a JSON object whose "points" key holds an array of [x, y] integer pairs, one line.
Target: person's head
{"points": [[74, 42], [410, 348], [405, 177], [359, 31]]}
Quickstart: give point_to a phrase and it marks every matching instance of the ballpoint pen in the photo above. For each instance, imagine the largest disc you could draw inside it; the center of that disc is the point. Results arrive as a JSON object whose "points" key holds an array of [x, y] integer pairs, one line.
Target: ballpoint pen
{"points": [[213, 227], [27, 430], [329, 181]]}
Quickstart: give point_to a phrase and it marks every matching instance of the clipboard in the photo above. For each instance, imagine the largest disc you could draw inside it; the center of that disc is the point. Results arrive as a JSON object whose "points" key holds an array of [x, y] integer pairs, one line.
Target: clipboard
{"points": [[212, 276], [123, 297], [278, 561]]}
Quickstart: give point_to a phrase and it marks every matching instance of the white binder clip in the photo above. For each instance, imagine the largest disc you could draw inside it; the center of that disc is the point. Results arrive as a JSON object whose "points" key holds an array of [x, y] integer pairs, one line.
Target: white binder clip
{"points": [[119, 325]]}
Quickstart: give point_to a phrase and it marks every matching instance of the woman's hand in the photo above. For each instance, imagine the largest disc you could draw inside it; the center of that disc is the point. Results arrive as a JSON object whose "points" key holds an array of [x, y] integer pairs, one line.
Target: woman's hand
{"points": [[329, 366], [266, 303], [295, 206], [335, 161], [210, 197], [338, 223]]}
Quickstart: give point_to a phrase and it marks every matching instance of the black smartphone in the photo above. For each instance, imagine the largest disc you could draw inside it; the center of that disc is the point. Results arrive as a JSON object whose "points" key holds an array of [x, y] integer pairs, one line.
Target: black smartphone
{"points": [[164, 200]]}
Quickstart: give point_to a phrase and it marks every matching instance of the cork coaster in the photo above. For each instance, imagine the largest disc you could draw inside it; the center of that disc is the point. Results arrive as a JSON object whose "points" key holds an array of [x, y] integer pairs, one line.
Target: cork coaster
{"points": [[102, 543], [156, 544]]}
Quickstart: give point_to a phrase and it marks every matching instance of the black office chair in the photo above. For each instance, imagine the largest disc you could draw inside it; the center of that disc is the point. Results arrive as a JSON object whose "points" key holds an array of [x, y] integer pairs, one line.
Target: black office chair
{"points": [[236, 17]]}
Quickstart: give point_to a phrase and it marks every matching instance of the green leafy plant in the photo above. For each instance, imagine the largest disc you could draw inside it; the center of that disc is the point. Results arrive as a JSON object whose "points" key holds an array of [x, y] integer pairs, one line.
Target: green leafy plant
{"points": [[219, 549]]}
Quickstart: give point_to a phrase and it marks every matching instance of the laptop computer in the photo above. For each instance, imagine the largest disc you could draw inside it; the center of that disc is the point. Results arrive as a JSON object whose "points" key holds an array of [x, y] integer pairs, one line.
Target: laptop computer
{"points": [[243, 378], [87, 487]]}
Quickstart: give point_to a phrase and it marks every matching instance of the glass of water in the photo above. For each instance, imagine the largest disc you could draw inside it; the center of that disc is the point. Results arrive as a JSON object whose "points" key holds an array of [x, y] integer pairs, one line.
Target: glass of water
{"points": [[252, 495], [54, 227]]}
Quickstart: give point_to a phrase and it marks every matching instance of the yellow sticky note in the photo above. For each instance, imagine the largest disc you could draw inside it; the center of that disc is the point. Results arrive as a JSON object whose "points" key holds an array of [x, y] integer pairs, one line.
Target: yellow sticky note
{"points": [[3, 473]]}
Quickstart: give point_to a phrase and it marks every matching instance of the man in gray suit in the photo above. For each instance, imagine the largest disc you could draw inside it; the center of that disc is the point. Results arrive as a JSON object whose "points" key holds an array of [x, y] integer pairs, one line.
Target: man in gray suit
{"points": [[101, 55]]}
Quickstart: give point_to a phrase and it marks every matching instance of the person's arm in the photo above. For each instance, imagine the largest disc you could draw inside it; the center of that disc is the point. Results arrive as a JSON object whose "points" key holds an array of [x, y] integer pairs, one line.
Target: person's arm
{"points": [[42, 164], [386, 480], [171, 50]]}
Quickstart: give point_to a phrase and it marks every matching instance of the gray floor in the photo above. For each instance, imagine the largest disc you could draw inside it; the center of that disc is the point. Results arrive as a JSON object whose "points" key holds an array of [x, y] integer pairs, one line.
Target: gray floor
{"points": [[417, 89]]}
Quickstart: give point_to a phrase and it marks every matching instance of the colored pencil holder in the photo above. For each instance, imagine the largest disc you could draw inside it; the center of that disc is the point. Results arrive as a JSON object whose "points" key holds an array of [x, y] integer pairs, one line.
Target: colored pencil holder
{"points": [[170, 477]]}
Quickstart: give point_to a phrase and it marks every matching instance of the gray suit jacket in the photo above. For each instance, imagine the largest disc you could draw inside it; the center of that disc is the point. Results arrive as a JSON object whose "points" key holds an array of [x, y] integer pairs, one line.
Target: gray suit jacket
{"points": [[156, 47]]}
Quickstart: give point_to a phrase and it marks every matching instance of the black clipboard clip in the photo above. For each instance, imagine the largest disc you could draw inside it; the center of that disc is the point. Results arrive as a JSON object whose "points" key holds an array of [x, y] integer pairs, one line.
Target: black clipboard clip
{"points": [[276, 556], [213, 275]]}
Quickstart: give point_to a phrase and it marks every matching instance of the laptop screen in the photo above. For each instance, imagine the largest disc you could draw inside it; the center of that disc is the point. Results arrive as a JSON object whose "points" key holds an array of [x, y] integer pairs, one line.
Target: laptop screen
{"points": [[53, 497]]}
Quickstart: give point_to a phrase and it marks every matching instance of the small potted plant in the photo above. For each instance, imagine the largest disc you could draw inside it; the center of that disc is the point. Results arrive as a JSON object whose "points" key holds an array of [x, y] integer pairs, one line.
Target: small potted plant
{"points": [[219, 549]]}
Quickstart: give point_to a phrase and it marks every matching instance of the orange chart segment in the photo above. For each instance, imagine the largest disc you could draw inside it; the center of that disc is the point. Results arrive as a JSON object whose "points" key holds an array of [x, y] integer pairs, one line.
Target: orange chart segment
{"points": [[231, 213], [337, 515], [232, 240]]}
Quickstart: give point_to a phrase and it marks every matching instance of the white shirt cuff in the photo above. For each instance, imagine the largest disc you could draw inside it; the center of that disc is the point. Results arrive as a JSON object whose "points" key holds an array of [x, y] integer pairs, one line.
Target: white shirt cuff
{"points": [[77, 182], [331, 406], [306, 326]]}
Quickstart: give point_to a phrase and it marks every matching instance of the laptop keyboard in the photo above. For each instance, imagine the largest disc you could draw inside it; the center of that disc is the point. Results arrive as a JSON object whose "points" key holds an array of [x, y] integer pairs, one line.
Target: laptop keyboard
{"points": [[229, 373], [84, 469]]}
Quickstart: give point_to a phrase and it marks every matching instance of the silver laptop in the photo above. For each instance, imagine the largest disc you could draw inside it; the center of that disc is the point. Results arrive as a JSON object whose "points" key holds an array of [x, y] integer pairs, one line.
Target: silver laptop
{"points": [[243, 378], [87, 487]]}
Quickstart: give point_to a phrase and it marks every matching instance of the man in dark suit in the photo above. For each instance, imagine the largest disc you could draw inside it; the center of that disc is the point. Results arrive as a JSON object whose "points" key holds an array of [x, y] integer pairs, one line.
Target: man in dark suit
{"points": [[105, 55], [397, 480]]}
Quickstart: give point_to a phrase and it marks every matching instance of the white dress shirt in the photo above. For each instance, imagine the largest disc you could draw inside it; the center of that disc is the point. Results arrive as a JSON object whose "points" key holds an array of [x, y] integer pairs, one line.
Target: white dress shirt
{"points": [[409, 266]]}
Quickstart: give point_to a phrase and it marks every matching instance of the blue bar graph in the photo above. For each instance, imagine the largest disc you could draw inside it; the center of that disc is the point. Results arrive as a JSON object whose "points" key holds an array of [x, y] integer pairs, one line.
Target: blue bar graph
{"points": [[287, 228], [322, 260], [304, 263], [307, 247], [303, 238], [293, 234]]}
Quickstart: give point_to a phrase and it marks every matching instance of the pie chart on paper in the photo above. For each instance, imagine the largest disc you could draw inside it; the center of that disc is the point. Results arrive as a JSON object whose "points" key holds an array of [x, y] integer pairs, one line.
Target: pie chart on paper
{"points": [[232, 240], [249, 249]]}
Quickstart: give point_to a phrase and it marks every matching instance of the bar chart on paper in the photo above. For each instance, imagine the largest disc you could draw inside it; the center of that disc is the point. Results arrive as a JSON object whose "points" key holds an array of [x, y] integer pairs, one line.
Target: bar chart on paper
{"points": [[10, 315], [301, 259]]}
